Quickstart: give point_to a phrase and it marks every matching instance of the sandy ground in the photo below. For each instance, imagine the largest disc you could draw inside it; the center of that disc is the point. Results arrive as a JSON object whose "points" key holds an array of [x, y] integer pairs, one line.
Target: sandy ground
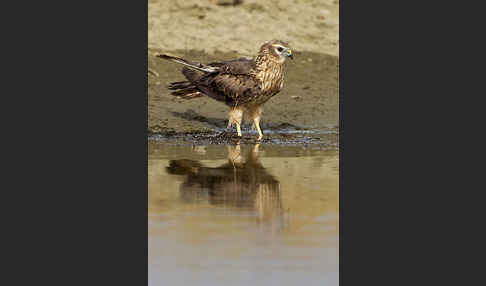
{"points": [[204, 31], [308, 25]]}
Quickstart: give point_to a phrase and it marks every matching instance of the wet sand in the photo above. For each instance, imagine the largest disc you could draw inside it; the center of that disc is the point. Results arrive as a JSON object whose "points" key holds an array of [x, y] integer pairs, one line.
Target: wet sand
{"points": [[309, 99], [202, 30], [242, 215]]}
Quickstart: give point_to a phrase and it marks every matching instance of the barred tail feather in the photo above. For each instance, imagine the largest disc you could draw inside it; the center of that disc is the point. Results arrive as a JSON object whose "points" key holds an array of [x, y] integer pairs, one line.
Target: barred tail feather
{"points": [[187, 93], [196, 66], [180, 85]]}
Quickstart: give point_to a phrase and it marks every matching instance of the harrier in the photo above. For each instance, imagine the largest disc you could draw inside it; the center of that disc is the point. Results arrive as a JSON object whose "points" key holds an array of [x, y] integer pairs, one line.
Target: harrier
{"points": [[243, 84]]}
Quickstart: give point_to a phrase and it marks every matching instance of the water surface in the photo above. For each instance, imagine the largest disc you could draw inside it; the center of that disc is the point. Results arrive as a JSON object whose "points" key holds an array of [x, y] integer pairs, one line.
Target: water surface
{"points": [[242, 215]]}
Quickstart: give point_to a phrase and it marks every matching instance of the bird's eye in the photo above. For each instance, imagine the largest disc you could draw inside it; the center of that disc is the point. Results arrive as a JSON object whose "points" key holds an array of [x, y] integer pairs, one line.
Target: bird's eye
{"points": [[280, 49]]}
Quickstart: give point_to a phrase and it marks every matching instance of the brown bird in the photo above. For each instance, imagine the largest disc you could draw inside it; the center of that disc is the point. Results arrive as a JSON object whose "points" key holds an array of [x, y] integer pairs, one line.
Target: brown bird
{"points": [[243, 84]]}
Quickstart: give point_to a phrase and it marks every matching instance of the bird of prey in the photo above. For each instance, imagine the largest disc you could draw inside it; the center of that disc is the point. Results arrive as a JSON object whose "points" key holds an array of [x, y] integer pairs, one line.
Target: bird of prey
{"points": [[243, 84]]}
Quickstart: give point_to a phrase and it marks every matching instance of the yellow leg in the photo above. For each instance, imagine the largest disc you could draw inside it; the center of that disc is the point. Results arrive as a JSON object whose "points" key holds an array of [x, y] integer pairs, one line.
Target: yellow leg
{"points": [[257, 124], [238, 128], [235, 116]]}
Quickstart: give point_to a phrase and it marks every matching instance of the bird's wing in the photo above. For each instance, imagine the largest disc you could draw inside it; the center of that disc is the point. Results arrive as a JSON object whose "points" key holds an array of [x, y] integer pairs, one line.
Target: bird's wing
{"points": [[241, 66], [236, 89], [233, 82], [229, 81]]}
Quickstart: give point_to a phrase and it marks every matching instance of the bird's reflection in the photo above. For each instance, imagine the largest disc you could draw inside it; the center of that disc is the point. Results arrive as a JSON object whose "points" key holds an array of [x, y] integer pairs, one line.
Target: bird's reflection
{"points": [[242, 182]]}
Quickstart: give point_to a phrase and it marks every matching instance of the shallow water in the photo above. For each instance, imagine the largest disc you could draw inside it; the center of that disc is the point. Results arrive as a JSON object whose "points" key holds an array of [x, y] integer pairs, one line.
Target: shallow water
{"points": [[242, 214]]}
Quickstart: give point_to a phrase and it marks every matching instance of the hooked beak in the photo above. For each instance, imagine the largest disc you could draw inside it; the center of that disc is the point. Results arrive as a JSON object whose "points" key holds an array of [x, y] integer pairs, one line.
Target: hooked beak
{"points": [[289, 54]]}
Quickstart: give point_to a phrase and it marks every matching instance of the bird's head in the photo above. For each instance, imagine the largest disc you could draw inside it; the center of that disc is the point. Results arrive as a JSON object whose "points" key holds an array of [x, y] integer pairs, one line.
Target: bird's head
{"points": [[278, 50]]}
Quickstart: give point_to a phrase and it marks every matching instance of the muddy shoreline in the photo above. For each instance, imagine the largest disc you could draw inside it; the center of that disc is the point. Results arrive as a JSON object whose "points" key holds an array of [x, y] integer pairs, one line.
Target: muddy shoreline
{"points": [[308, 101], [311, 139], [204, 31]]}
